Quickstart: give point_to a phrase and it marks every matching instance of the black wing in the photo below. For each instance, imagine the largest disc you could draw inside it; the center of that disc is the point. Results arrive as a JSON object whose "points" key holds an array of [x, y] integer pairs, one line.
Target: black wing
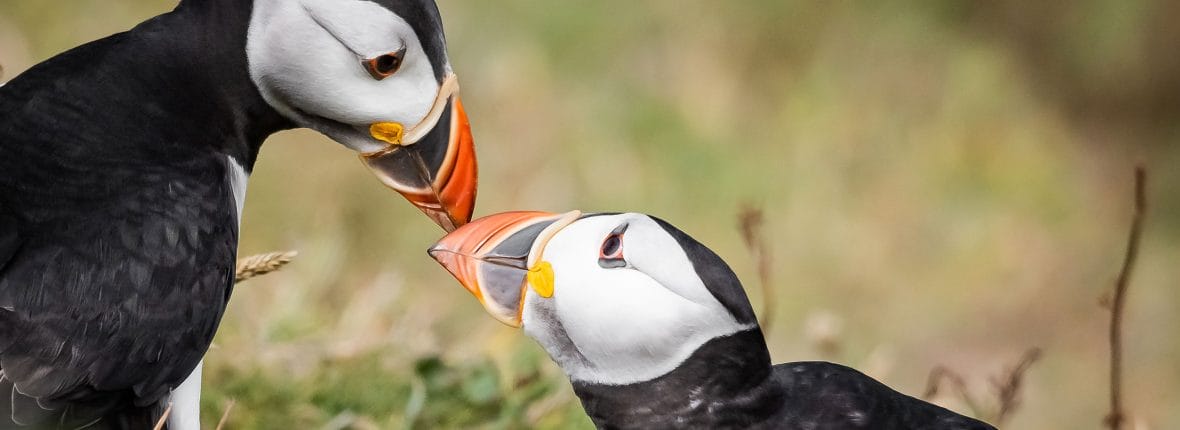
{"points": [[830, 396], [9, 237], [112, 309], [124, 244]]}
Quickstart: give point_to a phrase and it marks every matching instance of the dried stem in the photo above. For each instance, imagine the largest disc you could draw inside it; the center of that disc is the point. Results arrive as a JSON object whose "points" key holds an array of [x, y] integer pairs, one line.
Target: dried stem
{"points": [[261, 264], [1115, 419], [229, 406], [934, 385], [164, 418], [750, 220], [1008, 387]]}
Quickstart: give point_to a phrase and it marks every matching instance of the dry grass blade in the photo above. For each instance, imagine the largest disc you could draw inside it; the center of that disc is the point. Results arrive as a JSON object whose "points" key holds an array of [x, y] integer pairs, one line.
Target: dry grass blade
{"points": [[1008, 386], [229, 406], [934, 386], [1117, 416], [750, 221], [261, 264], [164, 417]]}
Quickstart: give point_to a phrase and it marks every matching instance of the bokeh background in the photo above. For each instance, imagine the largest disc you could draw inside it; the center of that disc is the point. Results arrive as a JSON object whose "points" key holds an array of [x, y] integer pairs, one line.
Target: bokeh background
{"points": [[943, 184]]}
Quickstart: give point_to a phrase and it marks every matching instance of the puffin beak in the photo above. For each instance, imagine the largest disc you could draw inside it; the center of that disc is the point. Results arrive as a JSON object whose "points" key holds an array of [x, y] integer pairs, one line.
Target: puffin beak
{"points": [[497, 257], [432, 165]]}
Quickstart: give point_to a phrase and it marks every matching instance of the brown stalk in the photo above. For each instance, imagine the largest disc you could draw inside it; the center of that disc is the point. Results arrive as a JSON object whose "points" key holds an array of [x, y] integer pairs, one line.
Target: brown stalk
{"points": [[1117, 416], [1007, 389], [163, 418], [261, 264], [229, 406], [942, 373], [750, 221]]}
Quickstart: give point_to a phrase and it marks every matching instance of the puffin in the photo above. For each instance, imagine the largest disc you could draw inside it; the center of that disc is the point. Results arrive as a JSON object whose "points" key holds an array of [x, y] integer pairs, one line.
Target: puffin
{"points": [[123, 171], [654, 330]]}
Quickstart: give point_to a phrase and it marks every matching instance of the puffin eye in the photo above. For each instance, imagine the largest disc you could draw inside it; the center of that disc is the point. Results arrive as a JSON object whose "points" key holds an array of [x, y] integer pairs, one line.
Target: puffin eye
{"points": [[384, 66], [611, 254], [612, 247]]}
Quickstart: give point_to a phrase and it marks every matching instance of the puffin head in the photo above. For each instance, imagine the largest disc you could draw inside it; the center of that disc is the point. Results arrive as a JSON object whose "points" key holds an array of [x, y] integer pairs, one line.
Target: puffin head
{"points": [[613, 298], [374, 76]]}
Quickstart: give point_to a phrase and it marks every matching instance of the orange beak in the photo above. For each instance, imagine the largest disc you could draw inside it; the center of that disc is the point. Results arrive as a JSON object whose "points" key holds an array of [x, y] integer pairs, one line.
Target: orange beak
{"points": [[437, 173], [491, 257]]}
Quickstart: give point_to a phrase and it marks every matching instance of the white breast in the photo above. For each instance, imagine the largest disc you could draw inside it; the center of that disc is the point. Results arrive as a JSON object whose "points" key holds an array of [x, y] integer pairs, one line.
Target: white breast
{"points": [[237, 182], [186, 402]]}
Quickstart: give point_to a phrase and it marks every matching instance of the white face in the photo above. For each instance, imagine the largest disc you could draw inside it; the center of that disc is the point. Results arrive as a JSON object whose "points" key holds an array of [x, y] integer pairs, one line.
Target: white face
{"points": [[626, 319], [306, 57]]}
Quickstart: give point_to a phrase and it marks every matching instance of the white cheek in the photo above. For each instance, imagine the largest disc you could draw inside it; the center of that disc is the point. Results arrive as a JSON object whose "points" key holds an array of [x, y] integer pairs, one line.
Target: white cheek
{"points": [[299, 65], [620, 312], [631, 329]]}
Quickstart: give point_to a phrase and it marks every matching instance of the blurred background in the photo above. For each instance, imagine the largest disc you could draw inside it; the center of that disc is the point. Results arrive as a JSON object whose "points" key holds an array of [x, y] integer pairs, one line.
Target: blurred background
{"points": [[941, 183]]}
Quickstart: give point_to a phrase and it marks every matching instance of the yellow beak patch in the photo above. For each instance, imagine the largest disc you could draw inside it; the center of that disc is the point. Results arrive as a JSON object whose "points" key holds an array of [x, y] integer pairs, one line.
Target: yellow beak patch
{"points": [[540, 277], [390, 132]]}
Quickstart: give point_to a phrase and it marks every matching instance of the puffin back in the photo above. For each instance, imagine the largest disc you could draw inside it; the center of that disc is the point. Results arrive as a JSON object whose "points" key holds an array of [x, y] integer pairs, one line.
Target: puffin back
{"points": [[828, 396]]}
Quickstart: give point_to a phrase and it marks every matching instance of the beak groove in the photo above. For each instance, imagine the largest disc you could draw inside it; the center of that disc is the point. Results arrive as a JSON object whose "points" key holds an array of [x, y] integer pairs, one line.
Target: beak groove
{"points": [[489, 257], [438, 172]]}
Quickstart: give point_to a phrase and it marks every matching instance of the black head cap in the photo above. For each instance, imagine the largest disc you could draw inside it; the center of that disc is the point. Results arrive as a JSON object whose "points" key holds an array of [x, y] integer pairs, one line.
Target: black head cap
{"points": [[423, 16], [716, 275]]}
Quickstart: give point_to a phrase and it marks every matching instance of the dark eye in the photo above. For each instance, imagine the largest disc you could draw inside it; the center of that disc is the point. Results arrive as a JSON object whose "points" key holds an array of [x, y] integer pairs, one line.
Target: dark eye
{"points": [[612, 247], [610, 256], [386, 65]]}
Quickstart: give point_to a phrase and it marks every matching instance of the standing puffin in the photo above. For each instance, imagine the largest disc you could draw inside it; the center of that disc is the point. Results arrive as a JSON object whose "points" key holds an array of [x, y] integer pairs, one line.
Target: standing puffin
{"points": [[123, 168], [655, 331]]}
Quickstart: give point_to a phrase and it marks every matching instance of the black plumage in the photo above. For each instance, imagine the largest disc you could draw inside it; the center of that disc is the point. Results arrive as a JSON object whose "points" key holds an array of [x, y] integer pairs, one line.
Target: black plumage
{"points": [[118, 230], [729, 382]]}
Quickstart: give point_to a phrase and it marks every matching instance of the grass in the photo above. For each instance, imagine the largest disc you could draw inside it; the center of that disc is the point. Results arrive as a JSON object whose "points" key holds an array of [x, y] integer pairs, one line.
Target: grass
{"points": [[257, 265], [941, 184]]}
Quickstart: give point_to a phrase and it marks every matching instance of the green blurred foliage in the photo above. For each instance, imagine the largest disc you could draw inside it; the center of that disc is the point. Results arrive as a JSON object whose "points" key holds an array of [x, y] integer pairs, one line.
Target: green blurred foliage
{"points": [[945, 183]]}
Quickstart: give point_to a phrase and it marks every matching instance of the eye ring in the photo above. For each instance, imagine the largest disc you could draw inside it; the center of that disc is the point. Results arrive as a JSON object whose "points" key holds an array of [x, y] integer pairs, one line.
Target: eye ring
{"points": [[384, 66]]}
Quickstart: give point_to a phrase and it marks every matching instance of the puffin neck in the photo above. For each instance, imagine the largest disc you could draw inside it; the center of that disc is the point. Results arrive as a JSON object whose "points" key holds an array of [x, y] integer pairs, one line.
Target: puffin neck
{"points": [[199, 51], [726, 382]]}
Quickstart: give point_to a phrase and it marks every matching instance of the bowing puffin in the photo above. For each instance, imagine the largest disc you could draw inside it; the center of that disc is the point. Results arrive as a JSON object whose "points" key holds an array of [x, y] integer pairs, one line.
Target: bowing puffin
{"points": [[123, 169], [655, 331]]}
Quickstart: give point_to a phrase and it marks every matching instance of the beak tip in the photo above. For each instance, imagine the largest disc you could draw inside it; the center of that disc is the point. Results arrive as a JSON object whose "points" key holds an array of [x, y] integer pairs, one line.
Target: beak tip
{"points": [[442, 256]]}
